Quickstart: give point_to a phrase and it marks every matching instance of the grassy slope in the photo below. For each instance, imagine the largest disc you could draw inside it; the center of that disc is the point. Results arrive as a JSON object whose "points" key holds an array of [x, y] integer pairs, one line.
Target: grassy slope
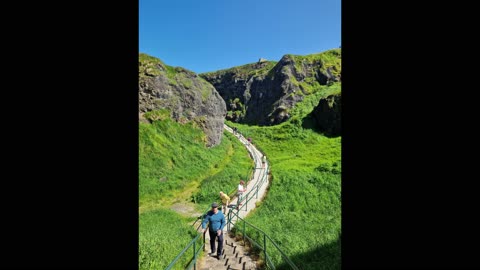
{"points": [[162, 235], [302, 211], [328, 59], [239, 166], [174, 163], [243, 71]]}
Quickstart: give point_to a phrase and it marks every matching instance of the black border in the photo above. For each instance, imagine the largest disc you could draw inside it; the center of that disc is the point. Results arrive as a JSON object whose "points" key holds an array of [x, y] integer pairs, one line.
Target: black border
{"points": [[70, 193], [70, 156], [407, 202]]}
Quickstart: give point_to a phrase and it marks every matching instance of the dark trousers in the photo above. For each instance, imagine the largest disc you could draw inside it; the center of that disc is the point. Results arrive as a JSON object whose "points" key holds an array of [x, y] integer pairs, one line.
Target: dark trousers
{"points": [[213, 236]]}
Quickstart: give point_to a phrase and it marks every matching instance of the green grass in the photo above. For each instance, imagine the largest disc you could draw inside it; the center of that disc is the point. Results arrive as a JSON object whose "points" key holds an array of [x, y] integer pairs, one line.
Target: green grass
{"points": [[324, 60], [302, 211], [172, 156], [162, 235], [240, 167], [243, 71], [330, 58], [175, 166], [165, 148], [148, 64]]}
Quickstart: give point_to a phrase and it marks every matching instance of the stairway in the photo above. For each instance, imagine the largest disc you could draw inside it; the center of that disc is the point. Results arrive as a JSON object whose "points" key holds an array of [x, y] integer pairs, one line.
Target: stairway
{"points": [[235, 255]]}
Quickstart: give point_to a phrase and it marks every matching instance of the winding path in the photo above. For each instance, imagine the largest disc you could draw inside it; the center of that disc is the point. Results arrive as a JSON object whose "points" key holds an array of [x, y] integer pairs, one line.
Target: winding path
{"points": [[234, 255]]}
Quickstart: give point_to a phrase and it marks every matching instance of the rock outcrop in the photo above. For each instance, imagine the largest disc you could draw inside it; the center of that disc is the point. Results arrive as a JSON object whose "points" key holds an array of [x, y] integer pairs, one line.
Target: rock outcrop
{"points": [[187, 96], [328, 115], [263, 93]]}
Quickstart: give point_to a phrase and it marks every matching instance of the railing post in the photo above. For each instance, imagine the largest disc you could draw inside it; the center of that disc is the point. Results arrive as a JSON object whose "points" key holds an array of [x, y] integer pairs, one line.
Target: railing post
{"points": [[256, 197], [246, 203], [204, 241], [244, 232], [228, 220], [194, 257]]}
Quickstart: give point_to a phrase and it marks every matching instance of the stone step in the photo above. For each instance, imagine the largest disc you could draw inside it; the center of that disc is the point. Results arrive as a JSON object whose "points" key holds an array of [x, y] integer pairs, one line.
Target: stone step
{"points": [[233, 257]]}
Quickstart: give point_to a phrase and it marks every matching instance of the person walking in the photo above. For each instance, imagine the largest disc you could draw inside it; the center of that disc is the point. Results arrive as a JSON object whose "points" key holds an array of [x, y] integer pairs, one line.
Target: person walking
{"points": [[216, 221], [240, 190], [264, 160], [225, 201]]}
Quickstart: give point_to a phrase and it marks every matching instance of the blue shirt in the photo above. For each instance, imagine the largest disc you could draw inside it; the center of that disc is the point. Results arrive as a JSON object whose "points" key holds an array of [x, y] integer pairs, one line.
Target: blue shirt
{"points": [[217, 221]]}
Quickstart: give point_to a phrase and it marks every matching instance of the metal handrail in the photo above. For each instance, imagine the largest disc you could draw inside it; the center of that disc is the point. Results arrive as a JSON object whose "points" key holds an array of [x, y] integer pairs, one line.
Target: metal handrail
{"points": [[229, 222], [193, 241], [254, 189], [266, 236], [242, 228], [195, 253], [231, 194]]}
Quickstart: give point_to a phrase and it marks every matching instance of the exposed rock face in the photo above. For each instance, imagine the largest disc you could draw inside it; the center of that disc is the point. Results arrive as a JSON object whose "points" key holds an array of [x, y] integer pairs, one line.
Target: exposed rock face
{"points": [[187, 96], [264, 92], [328, 115]]}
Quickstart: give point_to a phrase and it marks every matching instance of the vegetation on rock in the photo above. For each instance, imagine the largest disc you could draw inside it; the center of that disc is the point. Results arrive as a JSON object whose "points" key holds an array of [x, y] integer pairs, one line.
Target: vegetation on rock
{"points": [[268, 90]]}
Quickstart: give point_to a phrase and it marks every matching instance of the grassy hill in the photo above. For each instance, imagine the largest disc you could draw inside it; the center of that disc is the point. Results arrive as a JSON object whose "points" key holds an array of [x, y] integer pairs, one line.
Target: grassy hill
{"points": [[302, 211], [177, 169], [245, 71]]}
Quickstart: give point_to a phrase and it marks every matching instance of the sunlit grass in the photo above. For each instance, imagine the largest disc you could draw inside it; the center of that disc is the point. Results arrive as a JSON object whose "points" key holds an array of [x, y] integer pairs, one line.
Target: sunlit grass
{"points": [[302, 211], [176, 166]]}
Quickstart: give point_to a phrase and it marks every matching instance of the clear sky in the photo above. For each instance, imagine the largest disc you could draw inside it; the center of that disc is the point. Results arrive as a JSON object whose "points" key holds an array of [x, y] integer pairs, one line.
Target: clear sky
{"points": [[209, 35]]}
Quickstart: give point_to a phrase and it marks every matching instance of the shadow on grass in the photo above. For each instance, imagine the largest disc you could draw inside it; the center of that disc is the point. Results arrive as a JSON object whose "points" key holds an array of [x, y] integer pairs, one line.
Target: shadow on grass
{"points": [[326, 257], [309, 122]]}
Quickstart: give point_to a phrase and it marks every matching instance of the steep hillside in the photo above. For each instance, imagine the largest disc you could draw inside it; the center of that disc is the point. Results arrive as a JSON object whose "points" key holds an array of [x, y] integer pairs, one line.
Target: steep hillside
{"points": [[187, 96], [302, 210], [179, 176], [264, 93], [288, 102]]}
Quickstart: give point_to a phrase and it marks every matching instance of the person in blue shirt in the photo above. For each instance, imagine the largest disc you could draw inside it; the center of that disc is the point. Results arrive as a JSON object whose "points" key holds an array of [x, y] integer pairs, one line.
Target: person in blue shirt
{"points": [[217, 222]]}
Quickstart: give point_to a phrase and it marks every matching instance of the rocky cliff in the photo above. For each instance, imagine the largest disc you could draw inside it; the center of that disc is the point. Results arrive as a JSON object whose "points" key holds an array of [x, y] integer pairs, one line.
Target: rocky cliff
{"points": [[328, 115], [183, 93], [263, 93]]}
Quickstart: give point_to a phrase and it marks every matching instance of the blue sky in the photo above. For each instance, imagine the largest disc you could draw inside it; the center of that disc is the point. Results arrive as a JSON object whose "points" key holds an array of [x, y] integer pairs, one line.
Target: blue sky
{"points": [[209, 35]]}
